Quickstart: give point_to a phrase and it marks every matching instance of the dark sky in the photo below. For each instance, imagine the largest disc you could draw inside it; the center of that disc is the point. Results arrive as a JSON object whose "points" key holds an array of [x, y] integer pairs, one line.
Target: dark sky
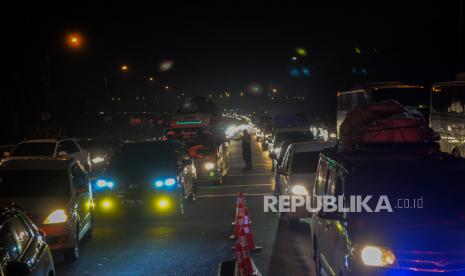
{"points": [[228, 45]]}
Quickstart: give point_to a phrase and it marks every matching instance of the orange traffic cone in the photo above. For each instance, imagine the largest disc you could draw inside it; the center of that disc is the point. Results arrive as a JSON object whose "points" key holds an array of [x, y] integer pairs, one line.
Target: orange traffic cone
{"points": [[239, 260], [248, 233]]}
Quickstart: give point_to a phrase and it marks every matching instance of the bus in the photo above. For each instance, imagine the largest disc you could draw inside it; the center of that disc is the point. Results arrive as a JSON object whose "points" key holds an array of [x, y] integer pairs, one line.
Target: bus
{"points": [[448, 114], [411, 96]]}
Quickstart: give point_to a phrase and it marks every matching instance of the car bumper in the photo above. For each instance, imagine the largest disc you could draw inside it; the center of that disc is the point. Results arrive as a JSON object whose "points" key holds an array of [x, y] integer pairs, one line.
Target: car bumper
{"points": [[58, 236]]}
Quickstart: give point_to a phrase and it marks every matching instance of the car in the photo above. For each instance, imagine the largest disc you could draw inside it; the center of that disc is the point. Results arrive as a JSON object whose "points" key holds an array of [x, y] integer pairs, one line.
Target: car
{"points": [[208, 151], [100, 151], [57, 196], [278, 155], [288, 134], [52, 147], [153, 176], [420, 234], [296, 173], [23, 250]]}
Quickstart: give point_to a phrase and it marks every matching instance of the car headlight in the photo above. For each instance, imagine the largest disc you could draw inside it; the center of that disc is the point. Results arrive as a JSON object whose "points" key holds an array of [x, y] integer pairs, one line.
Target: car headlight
{"points": [[98, 159], [57, 216], [209, 166], [170, 181], [299, 190], [102, 183], [377, 256]]}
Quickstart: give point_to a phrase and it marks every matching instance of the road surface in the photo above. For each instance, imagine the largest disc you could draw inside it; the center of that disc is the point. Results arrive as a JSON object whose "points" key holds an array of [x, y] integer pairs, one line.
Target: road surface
{"points": [[197, 243]]}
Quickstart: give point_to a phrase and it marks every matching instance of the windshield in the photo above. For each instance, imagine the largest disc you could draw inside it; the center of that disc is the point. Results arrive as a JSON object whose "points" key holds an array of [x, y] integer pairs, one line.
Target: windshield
{"points": [[34, 149], [449, 99], [143, 158], [440, 185], [305, 162], [34, 183], [293, 136], [410, 97]]}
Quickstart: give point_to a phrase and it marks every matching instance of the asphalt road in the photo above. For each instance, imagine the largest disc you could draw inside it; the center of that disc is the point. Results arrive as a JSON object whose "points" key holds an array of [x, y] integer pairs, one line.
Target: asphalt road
{"points": [[199, 241]]}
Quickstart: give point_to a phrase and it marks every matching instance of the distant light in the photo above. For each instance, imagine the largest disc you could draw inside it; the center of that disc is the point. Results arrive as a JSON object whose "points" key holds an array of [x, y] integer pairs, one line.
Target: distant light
{"points": [[294, 58], [358, 51], [151, 78], [274, 90], [295, 72], [74, 40], [124, 67], [306, 72], [166, 65], [167, 87], [301, 51]]}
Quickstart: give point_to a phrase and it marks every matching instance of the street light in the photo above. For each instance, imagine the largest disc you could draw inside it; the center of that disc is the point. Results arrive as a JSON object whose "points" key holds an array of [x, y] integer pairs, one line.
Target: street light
{"points": [[151, 78], [124, 68], [274, 90], [74, 40]]}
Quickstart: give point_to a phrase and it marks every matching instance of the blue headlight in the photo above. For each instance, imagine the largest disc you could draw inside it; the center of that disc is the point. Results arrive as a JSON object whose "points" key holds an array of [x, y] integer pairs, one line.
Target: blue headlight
{"points": [[166, 182], [158, 183], [102, 183], [170, 182]]}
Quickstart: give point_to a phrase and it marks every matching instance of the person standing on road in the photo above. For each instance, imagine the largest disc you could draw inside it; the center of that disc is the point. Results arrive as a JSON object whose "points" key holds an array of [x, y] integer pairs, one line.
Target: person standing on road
{"points": [[246, 150]]}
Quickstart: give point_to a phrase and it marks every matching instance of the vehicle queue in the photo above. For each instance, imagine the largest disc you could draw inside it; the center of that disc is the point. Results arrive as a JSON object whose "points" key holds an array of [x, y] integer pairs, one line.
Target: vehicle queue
{"points": [[160, 176]]}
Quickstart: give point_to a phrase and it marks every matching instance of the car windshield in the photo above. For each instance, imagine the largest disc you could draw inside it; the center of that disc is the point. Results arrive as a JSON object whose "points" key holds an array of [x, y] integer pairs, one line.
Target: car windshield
{"points": [[305, 162], [34, 149], [143, 157], [441, 186], [34, 183], [293, 136]]}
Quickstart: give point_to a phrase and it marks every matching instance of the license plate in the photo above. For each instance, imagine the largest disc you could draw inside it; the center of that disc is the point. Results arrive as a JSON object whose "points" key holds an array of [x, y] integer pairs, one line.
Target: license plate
{"points": [[133, 202]]}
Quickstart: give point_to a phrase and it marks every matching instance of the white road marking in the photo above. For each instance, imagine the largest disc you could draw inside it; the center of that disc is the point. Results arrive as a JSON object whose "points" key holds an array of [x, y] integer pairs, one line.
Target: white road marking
{"points": [[232, 195], [250, 174]]}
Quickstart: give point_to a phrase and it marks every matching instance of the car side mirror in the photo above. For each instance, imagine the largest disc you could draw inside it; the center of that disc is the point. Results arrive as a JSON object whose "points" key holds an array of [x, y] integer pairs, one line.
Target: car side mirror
{"points": [[17, 268], [62, 153], [6, 154]]}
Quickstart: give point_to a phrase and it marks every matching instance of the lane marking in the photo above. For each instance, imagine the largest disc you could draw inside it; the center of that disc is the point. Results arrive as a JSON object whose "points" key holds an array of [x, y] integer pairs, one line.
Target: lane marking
{"points": [[231, 195], [233, 186], [250, 174]]}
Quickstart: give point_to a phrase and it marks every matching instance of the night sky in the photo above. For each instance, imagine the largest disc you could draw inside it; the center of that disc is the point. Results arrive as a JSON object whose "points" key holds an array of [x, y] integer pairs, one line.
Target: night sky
{"points": [[226, 46]]}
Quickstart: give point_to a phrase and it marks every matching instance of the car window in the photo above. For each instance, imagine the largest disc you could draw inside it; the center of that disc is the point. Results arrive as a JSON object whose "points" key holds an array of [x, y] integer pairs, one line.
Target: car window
{"points": [[80, 180], [320, 186], [331, 185], [34, 149], [21, 232], [305, 162], [287, 158], [24, 183], [69, 146], [9, 250]]}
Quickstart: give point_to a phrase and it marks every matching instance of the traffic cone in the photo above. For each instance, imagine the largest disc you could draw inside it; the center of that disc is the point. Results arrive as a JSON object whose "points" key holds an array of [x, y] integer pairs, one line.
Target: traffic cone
{"points": [[248, 233], [240, 198], [239, 220], [245, 257], [239, 266]]}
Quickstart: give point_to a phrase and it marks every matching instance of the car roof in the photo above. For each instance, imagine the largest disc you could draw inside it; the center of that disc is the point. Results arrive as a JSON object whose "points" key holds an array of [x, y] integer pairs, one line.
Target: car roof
{"points": [[380, 85], [312, 146], [35, 163], [47, 140], [402, 157], [292, 129]]}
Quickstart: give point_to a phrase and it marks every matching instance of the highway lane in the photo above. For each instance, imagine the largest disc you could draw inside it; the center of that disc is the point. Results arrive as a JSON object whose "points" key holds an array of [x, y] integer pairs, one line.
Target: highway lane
{"points": [[192, 245]]}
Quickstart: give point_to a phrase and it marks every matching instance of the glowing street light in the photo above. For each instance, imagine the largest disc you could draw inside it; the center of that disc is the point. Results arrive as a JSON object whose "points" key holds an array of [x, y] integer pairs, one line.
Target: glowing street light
{"points": [[151, 78], [274, 90], [124, 68], [167, 87], [74, 40]]}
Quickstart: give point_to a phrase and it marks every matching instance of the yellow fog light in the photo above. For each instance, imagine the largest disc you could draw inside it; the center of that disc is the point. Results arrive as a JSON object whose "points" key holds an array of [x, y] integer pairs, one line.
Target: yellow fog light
{"points": [[106, 204], [162, 203], [377, 256]]}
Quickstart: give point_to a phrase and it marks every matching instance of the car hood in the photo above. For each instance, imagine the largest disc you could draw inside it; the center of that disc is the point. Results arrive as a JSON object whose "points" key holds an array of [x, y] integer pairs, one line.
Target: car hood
{"points": [[402, 234], [38, 208]]}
